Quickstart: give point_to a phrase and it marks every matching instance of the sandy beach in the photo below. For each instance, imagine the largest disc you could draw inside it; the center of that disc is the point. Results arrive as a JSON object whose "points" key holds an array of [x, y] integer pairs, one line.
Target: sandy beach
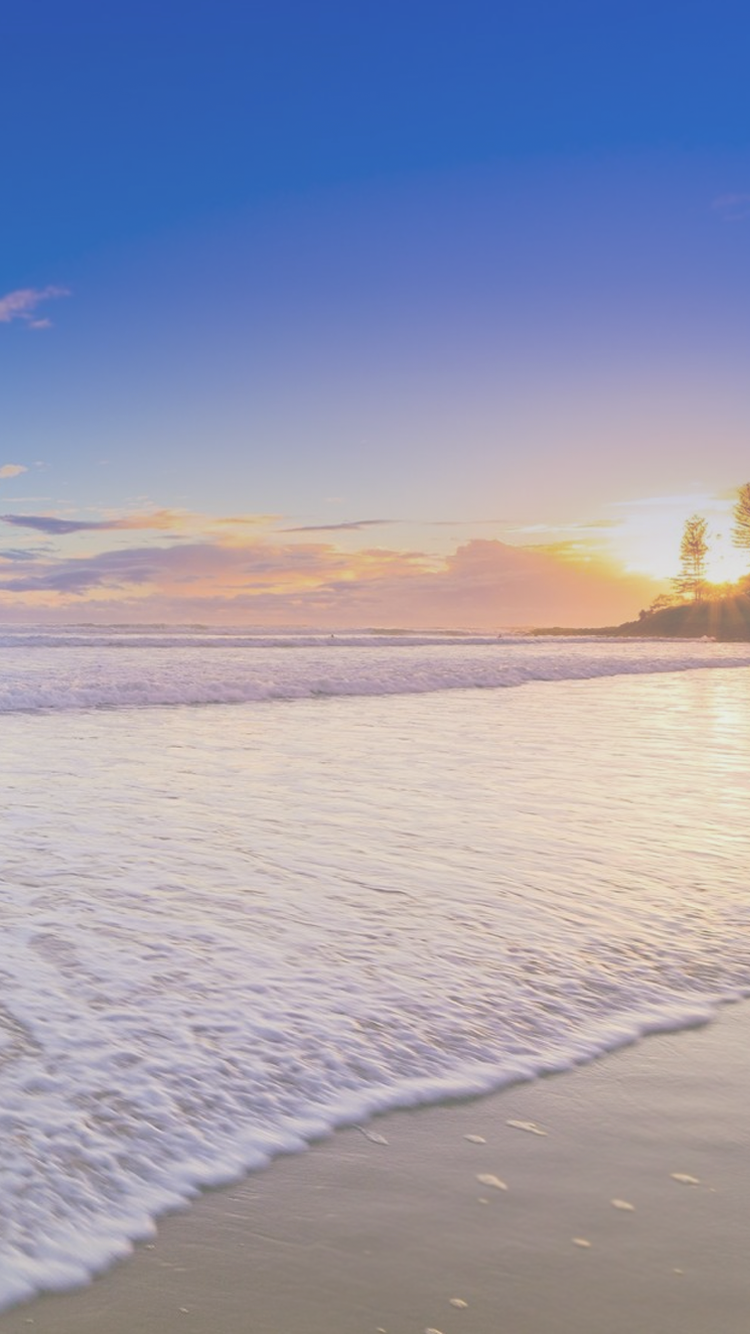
{"points": [[374, 950], [610, 1198]]}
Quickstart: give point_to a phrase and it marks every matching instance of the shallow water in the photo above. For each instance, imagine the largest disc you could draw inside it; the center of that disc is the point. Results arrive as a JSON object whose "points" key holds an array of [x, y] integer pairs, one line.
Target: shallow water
{"points": [[227, 929]]}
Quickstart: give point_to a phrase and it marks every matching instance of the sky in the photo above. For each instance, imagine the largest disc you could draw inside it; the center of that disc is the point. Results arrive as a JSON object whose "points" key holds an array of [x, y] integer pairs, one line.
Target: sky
{"points": [[375, 314]]}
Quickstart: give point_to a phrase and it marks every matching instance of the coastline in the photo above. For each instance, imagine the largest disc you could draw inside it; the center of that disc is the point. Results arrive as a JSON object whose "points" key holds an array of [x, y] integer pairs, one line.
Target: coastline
{"points": [[384, 1227]]}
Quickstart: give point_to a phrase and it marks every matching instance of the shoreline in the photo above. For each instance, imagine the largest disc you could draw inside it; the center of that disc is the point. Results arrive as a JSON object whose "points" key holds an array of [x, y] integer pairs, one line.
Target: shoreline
{"points": [[384, 1227]]}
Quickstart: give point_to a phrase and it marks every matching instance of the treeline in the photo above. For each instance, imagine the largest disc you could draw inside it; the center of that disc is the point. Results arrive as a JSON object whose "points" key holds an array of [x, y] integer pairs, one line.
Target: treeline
{"points": [[691, 585]]}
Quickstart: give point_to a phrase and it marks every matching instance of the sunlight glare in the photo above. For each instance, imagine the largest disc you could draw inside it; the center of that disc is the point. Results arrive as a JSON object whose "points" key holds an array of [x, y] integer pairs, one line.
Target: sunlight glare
{"points": [[651, 533]]}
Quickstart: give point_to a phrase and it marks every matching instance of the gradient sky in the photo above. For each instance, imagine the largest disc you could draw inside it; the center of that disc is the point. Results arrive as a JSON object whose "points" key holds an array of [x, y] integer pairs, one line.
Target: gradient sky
{"points": [[334, 313]]}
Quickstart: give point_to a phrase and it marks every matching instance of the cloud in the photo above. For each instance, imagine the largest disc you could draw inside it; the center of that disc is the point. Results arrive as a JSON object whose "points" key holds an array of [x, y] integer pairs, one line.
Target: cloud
{"points": [[591, 526], [354, 527], [483, 584], [43, 523], [732, 208], [12, 469], [245, 520], [683, 500], [21, 304], [47, 524], [162, 520], [564, 549], [466, 523], [211, 568], [19, 553]]}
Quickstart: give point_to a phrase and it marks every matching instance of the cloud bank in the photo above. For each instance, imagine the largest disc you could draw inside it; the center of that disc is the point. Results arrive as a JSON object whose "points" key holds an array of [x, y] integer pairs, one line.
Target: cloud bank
{"points": [[483, 584]]}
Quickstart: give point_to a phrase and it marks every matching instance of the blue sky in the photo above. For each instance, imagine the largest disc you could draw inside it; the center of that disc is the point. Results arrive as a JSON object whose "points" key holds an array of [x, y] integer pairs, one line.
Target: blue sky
{"points": [[403, 290]]}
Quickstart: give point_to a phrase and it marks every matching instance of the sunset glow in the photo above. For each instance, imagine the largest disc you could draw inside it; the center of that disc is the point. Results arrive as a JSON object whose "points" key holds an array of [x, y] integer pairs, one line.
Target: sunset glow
{"points": [[432, 359], [648, 539], [374, 666]]}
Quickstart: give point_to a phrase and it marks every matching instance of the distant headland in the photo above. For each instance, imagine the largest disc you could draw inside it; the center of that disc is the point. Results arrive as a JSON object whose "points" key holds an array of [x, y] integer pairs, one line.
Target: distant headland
{"points": [[726, 619]]}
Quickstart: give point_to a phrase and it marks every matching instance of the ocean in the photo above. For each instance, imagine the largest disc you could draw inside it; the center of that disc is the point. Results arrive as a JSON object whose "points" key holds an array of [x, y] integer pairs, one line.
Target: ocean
{"points": [[257, 886]]}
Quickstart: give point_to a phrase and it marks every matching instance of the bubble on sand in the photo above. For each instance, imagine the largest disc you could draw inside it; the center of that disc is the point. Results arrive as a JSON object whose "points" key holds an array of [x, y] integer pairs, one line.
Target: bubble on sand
{"points": [[530, 1127], [459, 1303], [482, 1199], [487, 1179], [624, 1205], [433, 1331], [581, 1241], [475, 1139], [685, 1178]]}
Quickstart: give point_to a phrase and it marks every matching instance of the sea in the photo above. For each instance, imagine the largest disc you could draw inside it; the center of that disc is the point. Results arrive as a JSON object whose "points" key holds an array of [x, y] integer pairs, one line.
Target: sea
{"points": [[258, 886]]}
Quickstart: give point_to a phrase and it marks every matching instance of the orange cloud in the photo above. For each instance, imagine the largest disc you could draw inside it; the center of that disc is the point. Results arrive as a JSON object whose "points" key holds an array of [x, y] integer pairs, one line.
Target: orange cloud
{"points": [[246, 520], [484, 584]]}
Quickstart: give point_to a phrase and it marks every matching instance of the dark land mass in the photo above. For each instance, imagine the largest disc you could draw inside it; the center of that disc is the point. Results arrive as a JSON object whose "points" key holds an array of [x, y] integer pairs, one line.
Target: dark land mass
{"points": [[725, 619]]}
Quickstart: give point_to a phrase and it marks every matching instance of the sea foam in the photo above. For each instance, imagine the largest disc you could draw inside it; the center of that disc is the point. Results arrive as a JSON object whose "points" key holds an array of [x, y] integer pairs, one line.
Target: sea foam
{"points": [[225, 932], [126, 668]]}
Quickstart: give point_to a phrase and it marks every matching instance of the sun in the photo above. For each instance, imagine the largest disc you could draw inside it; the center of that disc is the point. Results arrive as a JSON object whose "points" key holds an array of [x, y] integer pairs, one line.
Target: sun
{"points": [[725, 563], [650, 533]]}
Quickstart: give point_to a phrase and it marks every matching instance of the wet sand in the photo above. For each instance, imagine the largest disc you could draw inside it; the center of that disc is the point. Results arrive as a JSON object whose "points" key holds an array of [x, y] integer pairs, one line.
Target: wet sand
{"points": [[360, 1235]]}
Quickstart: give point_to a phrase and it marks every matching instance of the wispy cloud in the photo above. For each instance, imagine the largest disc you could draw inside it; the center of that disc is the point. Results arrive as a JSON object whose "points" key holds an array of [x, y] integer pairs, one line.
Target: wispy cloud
{"points": [[21, 305], [591, 526], [12, 469], [682, 500], [732, 208], [355, 526], [159, 520], [580, 552], [466, 523], [246, 520], [20, 553]]}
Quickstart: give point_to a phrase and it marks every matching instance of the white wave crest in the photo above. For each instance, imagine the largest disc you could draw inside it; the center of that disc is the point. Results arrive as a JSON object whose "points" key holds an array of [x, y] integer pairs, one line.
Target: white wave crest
{"points": [[51, 672]]}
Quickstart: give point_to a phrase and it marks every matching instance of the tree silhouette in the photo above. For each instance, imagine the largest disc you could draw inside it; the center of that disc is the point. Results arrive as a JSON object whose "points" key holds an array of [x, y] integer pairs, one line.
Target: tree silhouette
{"points": [[693, 550], [741, 530]]}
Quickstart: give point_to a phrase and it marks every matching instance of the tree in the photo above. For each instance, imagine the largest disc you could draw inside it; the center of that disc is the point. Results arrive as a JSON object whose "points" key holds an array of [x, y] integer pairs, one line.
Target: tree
{"points": [[663, 601], [741, 530], [693, 552]]}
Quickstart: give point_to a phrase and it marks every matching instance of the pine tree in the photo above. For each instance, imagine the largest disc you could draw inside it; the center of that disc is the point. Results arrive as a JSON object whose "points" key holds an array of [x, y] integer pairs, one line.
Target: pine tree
{"points": [[741, 530], [693, 551]]}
